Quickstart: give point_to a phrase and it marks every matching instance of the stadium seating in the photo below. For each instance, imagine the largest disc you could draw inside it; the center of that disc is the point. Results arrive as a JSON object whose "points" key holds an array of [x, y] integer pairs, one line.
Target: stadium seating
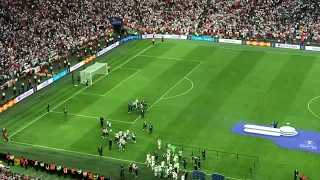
{"points": [[32, 31], [6, 174]]}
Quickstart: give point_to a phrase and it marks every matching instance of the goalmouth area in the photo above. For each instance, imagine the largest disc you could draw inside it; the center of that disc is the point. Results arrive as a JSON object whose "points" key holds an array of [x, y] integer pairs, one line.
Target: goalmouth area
{"points": [[197, 91]]}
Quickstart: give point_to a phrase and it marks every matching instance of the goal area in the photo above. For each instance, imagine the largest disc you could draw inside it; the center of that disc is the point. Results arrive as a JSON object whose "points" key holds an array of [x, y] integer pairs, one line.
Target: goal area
{"points": [[90, 71]]}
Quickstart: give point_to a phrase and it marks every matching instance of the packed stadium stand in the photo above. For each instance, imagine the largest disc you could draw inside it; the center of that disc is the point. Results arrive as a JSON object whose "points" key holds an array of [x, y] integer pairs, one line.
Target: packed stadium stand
{"points": [[6, 174], [33, 30]]}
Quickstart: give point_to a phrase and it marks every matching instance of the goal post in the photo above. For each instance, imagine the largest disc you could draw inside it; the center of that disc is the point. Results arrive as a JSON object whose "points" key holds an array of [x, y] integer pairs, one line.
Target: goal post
{"points": [[90, 71]]}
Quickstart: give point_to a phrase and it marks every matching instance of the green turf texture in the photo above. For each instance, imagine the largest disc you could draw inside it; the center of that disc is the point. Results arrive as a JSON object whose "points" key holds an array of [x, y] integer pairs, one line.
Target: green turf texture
{"points": [[228, 84]]}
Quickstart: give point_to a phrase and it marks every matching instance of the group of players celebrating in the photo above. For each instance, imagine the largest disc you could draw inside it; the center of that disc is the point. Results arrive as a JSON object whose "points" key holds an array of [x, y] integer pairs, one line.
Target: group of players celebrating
{"points": [[120, 137], [138, 106], [166, 169]]}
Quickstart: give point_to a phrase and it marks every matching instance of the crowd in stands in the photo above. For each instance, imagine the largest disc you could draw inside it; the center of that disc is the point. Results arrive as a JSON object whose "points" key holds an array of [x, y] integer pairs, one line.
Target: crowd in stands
{"points": [[6, 174], [33, 30]]}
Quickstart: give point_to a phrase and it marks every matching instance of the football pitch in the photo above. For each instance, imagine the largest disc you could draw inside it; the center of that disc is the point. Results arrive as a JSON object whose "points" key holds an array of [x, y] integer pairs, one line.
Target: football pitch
{"points": [[196, 93]]}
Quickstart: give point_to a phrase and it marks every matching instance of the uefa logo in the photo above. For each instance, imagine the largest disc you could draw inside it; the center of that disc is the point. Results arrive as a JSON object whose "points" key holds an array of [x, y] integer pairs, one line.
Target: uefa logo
{"points": [[308, 144]]}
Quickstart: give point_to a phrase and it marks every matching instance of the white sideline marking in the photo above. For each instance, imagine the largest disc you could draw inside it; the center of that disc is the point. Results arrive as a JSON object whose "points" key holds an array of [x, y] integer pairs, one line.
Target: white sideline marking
{"points": [[310, 108], [79, 92], [181, 93], [169, 90], [178, 59], [92, 155], [239, 49], [91, 117]]}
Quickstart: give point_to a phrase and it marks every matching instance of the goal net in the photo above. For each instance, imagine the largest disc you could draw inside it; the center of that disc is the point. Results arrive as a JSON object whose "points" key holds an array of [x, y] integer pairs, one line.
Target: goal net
{"points": [[89, 72]]}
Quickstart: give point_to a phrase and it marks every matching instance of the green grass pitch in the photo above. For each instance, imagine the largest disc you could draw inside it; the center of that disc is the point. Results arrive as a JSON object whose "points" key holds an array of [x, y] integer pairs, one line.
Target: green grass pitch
{"points": [[197, 91]]}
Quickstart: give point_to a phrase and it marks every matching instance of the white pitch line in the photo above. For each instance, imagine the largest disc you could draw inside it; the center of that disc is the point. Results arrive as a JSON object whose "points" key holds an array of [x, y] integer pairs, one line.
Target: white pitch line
{"points": [[91, 117], [121, 83], [169, 90], [78, 92], [310, 108], [178, 59], [129, 68], [240, 49], [181, 93], [92, 94], [102, 95], [92, 155]]}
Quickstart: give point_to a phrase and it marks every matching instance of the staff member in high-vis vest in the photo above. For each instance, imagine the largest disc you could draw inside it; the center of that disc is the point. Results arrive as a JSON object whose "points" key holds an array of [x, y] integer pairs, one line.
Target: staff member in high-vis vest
{"points": [[12, 159], [26, 163], [72, 173], [42, 166], [153, 41], [79, 171], [21, 161], [65, 172], [36, 165], [90, 176]]}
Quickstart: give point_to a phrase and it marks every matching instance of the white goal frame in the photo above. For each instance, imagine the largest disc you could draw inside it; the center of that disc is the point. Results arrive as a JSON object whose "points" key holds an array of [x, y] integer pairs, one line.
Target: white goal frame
{"points": [[89, 72]]}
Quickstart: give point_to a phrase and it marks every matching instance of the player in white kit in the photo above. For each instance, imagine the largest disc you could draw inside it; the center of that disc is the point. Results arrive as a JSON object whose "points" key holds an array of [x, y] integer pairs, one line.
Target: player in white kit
{"points": [[148, 161], [159, 143], [174, 176]]}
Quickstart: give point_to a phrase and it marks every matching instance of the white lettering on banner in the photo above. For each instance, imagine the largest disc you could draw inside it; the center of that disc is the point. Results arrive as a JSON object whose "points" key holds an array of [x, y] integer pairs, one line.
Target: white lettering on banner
{"points": [[108, 48], [157, 36], [312, 48], [24, 95], [76, 66], [287, 46], [44, 84], [231, 41]]}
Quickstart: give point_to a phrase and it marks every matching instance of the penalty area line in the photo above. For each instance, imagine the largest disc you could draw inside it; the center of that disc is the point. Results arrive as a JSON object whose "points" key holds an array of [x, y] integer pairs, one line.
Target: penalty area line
{"points": [[169, 90], [91, 117], [79, 92], [97, 156]]}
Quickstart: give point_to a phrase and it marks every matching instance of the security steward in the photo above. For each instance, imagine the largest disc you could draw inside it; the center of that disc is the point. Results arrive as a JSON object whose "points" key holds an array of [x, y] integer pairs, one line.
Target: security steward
{"points": [[79, 171], [42, 166], [26, 162], [47, 168], [100, 150], [21, 161], [12, 159], [36, 165], [84, 174], [58, 169], [8, 158], [72, 173], [65, 172]]}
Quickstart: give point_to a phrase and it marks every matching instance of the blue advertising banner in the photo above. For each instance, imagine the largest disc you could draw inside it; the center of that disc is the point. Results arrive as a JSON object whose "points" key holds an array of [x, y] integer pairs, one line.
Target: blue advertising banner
{"points": [[128, 38], [24, 95], [60, 75], [197, 38], [44, 84]]}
